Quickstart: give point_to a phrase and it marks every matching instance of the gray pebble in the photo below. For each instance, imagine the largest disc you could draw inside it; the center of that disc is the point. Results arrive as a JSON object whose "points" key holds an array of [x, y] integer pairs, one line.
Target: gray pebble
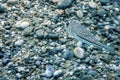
{"points": [[18, 75], [27, 31], [101, 12], [92, 72], [63, 4], [39, 33]]}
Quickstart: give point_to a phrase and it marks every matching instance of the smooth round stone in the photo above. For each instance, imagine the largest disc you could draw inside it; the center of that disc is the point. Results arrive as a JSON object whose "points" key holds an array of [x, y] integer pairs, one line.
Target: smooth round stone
{"points": [[38, 63], [18, 75], [2, 8], [79, 13], [79, 52], [39, 33], [22, 24], [58, 73], [92, 72], [27, 31], [101, 12], [19, 42], [68, 54], [93, 4], [63, 4]]}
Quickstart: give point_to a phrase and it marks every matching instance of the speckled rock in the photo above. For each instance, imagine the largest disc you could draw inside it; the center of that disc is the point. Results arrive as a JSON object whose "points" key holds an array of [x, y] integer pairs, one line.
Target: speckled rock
{"points": [[63, 4]]}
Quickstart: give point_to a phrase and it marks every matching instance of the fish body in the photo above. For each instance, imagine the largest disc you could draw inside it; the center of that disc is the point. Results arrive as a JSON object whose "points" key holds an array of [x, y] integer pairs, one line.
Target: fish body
{"points": [[84, 35]]}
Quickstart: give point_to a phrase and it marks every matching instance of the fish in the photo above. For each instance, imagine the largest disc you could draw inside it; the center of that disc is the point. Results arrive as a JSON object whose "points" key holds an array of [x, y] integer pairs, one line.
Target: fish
{"points": [[84, 35]]}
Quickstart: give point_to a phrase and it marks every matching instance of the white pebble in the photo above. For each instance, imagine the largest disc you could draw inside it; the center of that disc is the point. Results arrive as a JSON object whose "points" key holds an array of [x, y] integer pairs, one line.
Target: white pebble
{"points": [[79, 13], [22, 24], [19, 42], [79, 52], [58, 73], [79, 44], [93, 4]]}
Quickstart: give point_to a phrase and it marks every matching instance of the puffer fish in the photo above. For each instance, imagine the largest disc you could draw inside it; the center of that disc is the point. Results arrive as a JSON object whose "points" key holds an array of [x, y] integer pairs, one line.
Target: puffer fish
{"points": [[84, 35]]}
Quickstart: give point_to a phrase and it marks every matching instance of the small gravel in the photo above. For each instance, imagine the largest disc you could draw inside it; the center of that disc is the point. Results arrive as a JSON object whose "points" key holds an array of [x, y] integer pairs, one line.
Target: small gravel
{"points": [[34, 43]]}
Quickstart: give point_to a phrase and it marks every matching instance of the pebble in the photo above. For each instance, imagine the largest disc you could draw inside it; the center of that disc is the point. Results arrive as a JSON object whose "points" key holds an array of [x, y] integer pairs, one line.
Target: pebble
{"points": [[38, 63], [12, 2], [27, 31], [93, 4], [68, 54], [58, 73], [79, 52], [79, 13], [63, 4], [18, 75], [53, 36], [22, 24], [106, 58], [2, 8], [101, 12], [79, 44], [92, 72], [19, 42], [49, 71], [55, 1], [39, 33]]}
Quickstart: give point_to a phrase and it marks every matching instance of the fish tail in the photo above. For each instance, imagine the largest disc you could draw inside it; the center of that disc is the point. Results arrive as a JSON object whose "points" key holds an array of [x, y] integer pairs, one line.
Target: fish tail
{"points": [[108, 48]]}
